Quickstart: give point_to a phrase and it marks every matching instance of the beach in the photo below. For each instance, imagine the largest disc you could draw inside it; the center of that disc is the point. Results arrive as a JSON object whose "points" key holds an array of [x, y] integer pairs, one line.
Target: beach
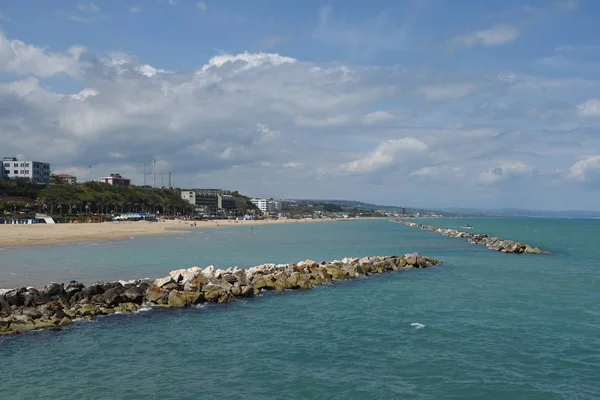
{"points": [[48, 234]]}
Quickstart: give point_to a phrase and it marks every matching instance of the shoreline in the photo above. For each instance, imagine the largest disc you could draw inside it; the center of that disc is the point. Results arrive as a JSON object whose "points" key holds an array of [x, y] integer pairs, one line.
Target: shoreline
{"points": [[12, 236]]}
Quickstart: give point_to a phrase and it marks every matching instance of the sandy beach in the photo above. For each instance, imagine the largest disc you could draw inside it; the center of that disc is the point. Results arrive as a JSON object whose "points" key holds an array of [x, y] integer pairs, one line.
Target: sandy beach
{"points": [[47, 234]]}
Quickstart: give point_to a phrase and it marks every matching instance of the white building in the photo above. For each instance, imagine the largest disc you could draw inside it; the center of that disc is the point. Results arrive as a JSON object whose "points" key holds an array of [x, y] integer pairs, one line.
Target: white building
{"points": [[267, 205], [14, 168]]}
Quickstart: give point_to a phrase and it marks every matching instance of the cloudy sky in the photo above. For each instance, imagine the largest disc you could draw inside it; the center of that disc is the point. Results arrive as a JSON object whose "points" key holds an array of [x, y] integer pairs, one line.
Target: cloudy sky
{"points": [[431, 103]]}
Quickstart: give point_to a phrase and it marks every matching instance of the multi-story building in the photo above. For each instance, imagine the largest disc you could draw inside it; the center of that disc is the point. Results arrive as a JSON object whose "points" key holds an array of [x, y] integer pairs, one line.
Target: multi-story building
{"points": [[66, 178], [209, 201], [267, 205], [115, 179], [36, 171]]}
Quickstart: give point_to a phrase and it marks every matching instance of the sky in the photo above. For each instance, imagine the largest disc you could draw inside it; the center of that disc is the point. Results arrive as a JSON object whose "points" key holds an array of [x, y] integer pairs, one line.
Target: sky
{"points": [[424, 103]]}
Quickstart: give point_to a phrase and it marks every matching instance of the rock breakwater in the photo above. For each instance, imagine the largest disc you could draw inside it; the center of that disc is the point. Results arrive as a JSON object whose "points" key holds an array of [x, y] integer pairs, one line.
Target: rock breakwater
{"points": [[58, 305], [492, 243]]}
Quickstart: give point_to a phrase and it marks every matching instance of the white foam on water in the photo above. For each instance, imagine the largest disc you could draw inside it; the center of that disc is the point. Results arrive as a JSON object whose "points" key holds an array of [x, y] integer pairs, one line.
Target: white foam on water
{"points": [[417, 325], [199, 306]]}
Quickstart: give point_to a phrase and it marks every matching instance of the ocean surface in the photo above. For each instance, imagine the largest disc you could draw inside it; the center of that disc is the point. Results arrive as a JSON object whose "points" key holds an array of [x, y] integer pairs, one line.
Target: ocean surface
{"points": [[492, 325]]}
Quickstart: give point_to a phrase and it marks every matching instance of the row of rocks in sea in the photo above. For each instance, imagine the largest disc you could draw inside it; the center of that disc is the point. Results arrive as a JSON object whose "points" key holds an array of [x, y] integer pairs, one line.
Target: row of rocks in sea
{"points": [[492, 243], [59, 305]]}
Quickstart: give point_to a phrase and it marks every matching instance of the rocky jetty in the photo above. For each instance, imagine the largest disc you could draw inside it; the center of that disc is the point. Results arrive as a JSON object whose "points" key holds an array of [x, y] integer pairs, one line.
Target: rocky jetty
{"points": [[58, 305], [492, 243]]}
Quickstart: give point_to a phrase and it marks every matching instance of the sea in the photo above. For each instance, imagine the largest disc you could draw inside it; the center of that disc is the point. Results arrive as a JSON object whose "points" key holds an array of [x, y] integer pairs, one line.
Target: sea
{"points": [[483, 325]]}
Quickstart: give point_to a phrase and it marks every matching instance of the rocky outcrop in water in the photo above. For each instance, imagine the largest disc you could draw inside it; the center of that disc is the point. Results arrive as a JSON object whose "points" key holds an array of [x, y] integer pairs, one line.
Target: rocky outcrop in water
{"points": [[492, 243], [59, 305]]}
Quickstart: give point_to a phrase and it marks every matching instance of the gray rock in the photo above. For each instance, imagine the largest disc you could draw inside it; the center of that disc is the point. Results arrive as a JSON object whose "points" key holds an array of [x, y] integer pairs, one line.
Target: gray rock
{"points": [[134, 295], [53, 289]]}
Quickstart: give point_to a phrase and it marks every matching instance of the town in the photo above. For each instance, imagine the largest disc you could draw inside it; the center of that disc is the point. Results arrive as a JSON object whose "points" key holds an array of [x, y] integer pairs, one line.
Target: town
{"points": [[30, 193]]}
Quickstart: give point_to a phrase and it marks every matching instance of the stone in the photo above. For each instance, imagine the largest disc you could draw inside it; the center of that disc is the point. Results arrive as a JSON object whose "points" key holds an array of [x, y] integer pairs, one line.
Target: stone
{"points": [[53, 289], [191, 273], [127, 307], [31, 312], [13, 299], [247, 291], [113, 296], [134, 294], [163, 281], [5, 324], [177, 275], [189, 286], [157, 295], [183, 299], [87, 310], [411, 258], [44, 323], [73, 287]]}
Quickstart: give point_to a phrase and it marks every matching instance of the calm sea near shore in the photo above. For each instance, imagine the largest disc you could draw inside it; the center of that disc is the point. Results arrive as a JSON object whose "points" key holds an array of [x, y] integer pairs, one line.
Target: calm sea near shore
{"points": [[494, 326]]}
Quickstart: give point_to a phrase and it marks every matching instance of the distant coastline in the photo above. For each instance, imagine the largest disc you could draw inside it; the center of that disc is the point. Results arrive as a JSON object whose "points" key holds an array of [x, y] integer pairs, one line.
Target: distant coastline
{"points": [[51, 234]]}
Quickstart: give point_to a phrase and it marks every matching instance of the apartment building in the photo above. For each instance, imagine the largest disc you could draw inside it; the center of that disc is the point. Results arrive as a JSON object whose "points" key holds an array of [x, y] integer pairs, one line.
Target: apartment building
{"points": [[267, 205], [36, 171], [209, 201]]}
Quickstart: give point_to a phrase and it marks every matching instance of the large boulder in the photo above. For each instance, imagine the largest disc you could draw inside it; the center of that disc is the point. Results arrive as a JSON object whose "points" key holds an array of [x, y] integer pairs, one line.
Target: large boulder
{"points": [[411, 259], [217, 293], [183, 299], [53, 289], [73, 287], [164, 281], [134, 294], [157, 295], [113, 296]]}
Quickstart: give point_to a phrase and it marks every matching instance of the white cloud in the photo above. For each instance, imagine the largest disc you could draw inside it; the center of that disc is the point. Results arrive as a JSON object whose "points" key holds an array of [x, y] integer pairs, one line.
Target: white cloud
{"points": [[446, 91], [504, 172], [201, 5], [590, 108], [135, 9], [580, 170], [385, 155], [88, 12], [248, 60], [266, 134], [88, 8], [495, 36], [335, 120], [293, 164], [382, 116], [24, 59], [222, 122]]}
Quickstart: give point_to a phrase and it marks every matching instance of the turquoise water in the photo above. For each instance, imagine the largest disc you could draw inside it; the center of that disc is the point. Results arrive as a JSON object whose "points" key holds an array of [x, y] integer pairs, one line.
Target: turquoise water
{"points": [[497, 326]]}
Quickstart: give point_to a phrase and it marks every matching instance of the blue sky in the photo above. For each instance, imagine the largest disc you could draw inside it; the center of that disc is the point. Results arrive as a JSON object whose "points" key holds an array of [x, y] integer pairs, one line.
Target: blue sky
{"points": [[410, 102]]}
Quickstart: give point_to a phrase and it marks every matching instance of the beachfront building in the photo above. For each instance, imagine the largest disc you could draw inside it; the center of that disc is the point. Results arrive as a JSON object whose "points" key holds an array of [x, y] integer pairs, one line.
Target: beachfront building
{"points": [[209, 201], [267, 205], [68, 179], [36, 171], [115, 179], [3, 174]]}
